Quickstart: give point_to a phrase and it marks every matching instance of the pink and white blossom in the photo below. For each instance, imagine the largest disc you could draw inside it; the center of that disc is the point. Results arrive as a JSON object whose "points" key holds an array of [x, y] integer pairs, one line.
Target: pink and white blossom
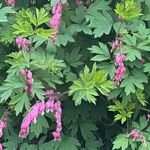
{"points": [[120, 70], [10, 2], [21, 42], [27, 74], [39, 108], [56, 19]]}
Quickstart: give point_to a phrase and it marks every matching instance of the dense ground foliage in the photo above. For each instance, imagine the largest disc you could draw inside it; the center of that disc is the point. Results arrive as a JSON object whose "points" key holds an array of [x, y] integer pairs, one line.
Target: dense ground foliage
{"points": [[75, 74]]}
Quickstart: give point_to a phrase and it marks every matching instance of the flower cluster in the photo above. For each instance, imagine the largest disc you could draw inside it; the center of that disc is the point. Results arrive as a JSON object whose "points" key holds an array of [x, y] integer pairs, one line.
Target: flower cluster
{"points": [[32, 115], [39, 108], [22, 42], [116, 44], [29, 80], [3, 124], [56, 19], [10, 2], [120, 68], [136, 135]]}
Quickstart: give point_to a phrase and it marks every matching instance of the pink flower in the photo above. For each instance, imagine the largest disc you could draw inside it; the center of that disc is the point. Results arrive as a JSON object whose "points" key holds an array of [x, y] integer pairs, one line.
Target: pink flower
{"points": [[120, 70], [1, 133], [56, 135], [56, 19], [21, 42], [10, 2], [1, 147], [38, 109], [119, 74], [57, 8], [116, 44], [3, 124], [29, 74], [50, 105], [119, 59], [135, 135], [133, 132], [42, 108], [23, 72], [23, 133], [148, 116], [29, 80]]}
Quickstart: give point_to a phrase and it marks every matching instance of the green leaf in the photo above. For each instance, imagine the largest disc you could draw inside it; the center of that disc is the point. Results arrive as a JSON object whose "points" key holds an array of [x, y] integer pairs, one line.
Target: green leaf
{"points": [[69, 143], [42, 16], [38, 127], [63, 39], [141, 97], [74, 58], [143, 122], [87, 129], [100, 22], [45, 33], [20, 101], [132, 54], [128, 10], [26, 146], [92, 144], [137, 78], [101, 51], [12, 142], [85, 87], [23, 28], [31, 16], [121, 142], [124, 110], [99, 18], [4, 12], [37, 89], [147, 67]]}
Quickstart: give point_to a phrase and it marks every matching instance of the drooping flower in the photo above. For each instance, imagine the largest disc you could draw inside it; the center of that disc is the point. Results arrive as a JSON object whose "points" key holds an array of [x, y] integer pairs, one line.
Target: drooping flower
{"points": [[136, 135], [10, 2], [27, 74], [39, 108], [21, 42], [56, 19], [31, 117], [120, 70], [3, 124], [119, 59], [58, 116], [116, 44]]}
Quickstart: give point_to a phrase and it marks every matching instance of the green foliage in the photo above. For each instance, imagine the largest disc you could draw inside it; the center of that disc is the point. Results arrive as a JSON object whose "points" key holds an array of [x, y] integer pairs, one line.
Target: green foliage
{"points": [[141, 97], [26, 19], [69, 143], [85, 87], [4, 12], [136, 78], [99, 18], [41, 124], [124, 110], [121, 142], [80, 67], [101, 51], [128, 10]]}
